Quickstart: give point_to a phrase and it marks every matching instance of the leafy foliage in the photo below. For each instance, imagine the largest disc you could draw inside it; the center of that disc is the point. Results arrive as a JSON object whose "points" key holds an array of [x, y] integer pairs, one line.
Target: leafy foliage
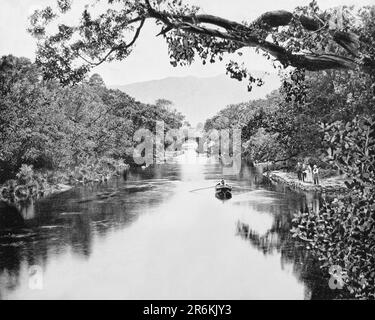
{"points": [[307, 38], [58, 128], [343, 232]]}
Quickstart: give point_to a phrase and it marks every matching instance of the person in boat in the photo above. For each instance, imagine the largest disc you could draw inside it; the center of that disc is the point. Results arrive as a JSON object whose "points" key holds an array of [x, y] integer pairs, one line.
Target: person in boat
{"points": [[221, 183]]}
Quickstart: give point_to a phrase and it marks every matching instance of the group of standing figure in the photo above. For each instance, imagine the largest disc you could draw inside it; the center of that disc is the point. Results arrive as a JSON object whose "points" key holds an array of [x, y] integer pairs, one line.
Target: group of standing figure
{"points": [[307, 172]]}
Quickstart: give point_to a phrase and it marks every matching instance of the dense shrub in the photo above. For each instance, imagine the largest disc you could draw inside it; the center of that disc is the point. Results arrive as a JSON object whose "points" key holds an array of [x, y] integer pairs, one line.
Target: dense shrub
{"points": [[343, 232]]}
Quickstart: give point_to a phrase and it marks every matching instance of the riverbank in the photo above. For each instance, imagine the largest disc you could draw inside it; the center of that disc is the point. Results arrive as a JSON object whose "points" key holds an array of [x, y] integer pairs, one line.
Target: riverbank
{"points": [[31, 184], [331, 184]]}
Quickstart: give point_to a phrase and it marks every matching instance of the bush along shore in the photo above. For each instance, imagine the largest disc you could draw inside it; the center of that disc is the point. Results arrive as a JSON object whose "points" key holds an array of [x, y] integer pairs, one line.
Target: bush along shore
{"points": [[342, 237], [32, 184], [342, 234]]}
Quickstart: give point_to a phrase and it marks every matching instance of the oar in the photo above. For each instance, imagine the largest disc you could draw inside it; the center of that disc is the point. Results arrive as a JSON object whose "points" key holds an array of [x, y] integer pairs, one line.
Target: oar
{"points": [[244, 188], [202, 189]]}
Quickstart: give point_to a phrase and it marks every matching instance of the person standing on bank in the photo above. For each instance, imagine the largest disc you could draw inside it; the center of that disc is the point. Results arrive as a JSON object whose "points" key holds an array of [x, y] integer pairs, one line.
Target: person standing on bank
{"points": [[316, 174], [299, 170], [304, 172], [309, 173]]}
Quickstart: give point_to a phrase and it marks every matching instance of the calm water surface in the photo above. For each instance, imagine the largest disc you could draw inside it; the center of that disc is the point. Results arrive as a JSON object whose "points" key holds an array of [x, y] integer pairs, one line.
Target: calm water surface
{"points": [[151, 236]]}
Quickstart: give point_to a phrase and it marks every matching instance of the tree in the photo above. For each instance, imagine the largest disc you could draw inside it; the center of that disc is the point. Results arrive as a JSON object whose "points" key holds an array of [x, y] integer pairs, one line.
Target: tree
{"points": [[51, 126], [24, 129], [163, 103], [307, 38], [96, 80]]}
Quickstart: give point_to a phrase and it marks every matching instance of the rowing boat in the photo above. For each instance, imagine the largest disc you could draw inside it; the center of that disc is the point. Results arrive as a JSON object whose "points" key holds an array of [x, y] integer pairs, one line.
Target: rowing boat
{"points": [[223, 191]]}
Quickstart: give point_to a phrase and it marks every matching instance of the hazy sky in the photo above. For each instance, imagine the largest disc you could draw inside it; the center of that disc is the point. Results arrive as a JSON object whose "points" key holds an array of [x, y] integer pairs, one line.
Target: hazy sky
{"points": [[149, 59]]}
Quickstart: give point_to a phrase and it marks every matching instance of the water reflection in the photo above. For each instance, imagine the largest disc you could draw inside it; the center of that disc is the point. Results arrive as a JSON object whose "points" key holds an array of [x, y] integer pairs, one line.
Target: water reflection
{"points": [[151, 237], [275, 240]]}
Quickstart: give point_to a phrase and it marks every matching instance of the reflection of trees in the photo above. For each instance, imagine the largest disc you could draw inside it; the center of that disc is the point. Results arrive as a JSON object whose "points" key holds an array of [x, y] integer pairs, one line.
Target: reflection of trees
{"points": [[253, 175], [9, 216], [62, 222], [9, 268], [266, 243], [278, 239]]}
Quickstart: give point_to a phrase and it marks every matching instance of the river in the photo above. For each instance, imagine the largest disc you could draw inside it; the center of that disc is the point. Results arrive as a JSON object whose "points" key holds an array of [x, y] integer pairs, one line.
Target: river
{"points": [[152, 235]]}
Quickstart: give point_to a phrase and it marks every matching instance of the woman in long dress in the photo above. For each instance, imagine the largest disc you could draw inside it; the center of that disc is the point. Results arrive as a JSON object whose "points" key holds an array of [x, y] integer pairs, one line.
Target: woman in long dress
{"points": [[309, 173]]}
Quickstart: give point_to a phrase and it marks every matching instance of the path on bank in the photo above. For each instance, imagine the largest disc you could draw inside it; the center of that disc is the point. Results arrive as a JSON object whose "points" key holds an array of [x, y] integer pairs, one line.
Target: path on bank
{"points": [[331, 184]]}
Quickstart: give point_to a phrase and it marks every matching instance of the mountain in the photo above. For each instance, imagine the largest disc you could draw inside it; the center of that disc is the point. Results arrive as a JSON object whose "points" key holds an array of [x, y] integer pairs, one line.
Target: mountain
{"points": [[200, 98]]}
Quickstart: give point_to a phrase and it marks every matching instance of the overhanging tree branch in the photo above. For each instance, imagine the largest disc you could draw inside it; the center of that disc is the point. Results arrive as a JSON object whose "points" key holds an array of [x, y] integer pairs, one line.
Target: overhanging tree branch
{"points": [[305, 39], [313, 62]]}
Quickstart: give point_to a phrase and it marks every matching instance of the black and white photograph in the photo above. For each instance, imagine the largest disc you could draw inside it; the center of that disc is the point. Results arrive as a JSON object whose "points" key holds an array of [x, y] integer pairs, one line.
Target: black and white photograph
{"points": [[187, 150]]}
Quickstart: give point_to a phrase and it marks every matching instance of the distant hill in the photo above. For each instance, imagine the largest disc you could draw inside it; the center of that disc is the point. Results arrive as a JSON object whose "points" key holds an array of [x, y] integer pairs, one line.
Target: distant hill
{"points": [[200, 98]]}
